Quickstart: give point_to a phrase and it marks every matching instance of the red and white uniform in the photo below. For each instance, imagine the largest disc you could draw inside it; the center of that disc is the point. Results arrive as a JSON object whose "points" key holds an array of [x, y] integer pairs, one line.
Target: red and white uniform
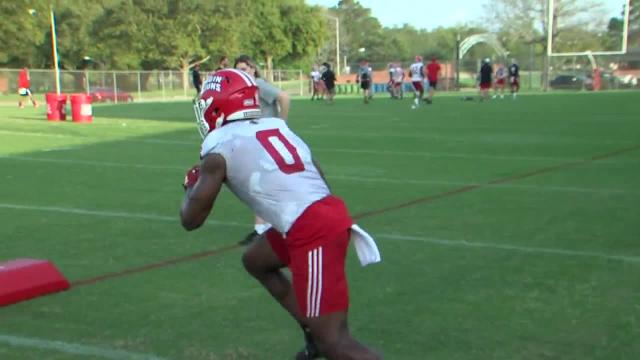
{"points": [[316, 77], [24, 83], [398, 76], [501, 75], [416, 70], [271, 170]]}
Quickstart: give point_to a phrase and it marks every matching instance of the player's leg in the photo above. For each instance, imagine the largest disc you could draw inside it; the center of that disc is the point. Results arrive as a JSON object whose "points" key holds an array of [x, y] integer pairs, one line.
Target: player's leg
{"points": [[33, 101], [22, 92], [432, 88], [331, 334], [418, 90], [321, 288], [264, 259], [368, 93]]}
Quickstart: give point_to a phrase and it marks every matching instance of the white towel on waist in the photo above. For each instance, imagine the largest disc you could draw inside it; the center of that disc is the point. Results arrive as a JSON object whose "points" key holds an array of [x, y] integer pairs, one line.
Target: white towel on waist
{"points": [[366, 247]]}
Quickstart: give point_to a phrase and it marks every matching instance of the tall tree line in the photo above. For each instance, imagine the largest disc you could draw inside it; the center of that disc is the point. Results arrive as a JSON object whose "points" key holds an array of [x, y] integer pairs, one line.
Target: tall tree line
{"points": [[174, 34]]}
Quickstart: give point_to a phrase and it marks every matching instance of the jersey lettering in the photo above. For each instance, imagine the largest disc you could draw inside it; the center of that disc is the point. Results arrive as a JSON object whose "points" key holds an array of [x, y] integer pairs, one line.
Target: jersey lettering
{"points": [[281, 150]]}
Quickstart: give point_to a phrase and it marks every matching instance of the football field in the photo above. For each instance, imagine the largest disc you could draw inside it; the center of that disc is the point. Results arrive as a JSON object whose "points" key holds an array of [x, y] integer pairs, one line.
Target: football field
{"points": [[508, 230]]}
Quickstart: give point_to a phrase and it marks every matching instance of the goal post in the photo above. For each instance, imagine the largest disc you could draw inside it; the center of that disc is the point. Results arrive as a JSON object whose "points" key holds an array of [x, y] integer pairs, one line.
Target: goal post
{"points": [[591, 53], [550, 28]]}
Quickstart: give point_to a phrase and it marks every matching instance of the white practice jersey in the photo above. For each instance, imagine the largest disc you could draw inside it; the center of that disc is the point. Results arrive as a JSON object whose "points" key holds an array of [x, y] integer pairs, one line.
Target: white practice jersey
{"points": [[417, 71], [315, 75], [398, 74], [269, 168]]}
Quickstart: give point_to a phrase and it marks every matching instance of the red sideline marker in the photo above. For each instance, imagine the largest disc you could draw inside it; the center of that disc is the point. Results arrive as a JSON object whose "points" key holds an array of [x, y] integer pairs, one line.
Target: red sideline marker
{"points": [[24, 279]]}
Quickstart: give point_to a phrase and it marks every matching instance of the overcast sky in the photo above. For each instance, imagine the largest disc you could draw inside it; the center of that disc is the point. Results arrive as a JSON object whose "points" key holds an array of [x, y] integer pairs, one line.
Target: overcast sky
{"points": [[420, 13]]}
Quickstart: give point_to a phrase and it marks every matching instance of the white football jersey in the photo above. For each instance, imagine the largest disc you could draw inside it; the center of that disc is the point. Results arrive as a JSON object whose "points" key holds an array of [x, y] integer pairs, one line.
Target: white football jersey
{"points": [[315, 75], [269, 168], [398, 74], [417, 71]]}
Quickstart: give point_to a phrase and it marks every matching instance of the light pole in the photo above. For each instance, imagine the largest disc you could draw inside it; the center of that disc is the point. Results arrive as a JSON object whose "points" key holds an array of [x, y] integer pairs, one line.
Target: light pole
{"points": [[458, 62], [337, 42], [54, 45], [54, 49]]}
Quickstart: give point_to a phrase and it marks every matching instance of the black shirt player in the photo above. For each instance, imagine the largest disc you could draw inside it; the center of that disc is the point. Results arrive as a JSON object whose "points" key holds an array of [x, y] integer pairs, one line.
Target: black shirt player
{"points": [[329, 79], [514, 77], [486, 75]]}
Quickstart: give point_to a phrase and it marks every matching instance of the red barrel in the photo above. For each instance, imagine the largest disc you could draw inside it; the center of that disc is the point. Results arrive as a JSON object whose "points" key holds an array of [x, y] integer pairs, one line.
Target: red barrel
{"points": [[81, 108], [56, 106]]}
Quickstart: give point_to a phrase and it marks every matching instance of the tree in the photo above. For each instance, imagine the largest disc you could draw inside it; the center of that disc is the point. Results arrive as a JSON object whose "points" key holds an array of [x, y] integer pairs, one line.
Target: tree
{"points": [[23, 34], [358, 29], [268, 39], [307, 29]]}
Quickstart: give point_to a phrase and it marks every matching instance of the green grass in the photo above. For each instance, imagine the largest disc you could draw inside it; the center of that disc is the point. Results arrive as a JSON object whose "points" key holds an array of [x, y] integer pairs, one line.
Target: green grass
{"points": [[544, 267]]}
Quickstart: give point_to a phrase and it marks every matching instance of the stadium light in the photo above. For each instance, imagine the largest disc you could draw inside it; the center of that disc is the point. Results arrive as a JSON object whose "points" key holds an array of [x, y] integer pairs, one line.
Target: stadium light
{"points": [[337, 42]]}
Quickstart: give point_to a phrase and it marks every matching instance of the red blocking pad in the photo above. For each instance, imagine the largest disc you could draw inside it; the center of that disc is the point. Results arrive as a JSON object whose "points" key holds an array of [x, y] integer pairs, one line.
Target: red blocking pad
{"points": [[23, 279]]}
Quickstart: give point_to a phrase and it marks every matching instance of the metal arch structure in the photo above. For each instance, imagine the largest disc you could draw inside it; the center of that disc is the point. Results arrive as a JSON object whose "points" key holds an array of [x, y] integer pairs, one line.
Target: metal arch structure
{"points": [[486, 38]]}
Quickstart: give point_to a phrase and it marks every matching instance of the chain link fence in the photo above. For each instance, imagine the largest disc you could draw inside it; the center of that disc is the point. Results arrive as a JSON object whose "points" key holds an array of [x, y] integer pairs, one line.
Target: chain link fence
{"points": [[129, 86]]}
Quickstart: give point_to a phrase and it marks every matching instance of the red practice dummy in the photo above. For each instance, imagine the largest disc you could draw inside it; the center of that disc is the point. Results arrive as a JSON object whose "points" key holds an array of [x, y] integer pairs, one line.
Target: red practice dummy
{"points": [[23, 279]]}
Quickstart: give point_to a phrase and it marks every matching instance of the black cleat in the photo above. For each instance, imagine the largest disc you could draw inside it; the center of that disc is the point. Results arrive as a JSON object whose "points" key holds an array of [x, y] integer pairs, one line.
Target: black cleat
{"points": [[310, 350], [251, 237]]}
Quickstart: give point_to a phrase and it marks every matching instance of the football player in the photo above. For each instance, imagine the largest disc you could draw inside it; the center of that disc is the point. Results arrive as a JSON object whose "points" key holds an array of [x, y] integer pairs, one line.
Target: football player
{"points": [[433, 73], [486, 72], [514, 78], [269, 168], [364, 79], [501, 74], [416, 73]]}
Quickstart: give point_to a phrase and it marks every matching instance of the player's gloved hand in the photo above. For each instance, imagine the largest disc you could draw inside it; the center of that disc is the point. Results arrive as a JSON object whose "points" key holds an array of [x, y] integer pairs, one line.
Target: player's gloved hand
{"points": [[191, 177]]}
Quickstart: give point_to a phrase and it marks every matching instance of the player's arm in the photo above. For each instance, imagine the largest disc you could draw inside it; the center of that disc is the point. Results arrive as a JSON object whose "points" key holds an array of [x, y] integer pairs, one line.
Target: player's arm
{"points": [[202, 186], [284, 102]]}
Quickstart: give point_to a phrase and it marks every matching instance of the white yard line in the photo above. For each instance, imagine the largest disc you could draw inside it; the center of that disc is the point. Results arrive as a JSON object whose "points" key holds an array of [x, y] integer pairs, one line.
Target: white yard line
{"points": [[396, 237], [73, 348], [115, 214], [372, 178], [507, 247]]}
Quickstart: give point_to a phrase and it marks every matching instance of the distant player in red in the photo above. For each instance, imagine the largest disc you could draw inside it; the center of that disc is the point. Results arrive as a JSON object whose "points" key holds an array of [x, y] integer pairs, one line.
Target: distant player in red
{"points": [[433, 73], [24, 88], [269, 168]]}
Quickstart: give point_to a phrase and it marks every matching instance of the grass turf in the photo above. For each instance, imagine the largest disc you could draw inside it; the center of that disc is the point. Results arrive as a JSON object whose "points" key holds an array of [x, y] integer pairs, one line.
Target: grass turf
{"points": [[543, 267]]}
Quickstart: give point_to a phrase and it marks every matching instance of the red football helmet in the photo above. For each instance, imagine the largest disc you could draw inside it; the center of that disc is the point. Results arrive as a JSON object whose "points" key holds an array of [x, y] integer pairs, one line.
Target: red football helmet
{"points": [[227, 95]]}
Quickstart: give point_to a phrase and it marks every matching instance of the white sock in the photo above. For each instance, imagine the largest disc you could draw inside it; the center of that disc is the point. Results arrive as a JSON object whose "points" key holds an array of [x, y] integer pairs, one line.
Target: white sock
{"points": [[262, 228]]}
